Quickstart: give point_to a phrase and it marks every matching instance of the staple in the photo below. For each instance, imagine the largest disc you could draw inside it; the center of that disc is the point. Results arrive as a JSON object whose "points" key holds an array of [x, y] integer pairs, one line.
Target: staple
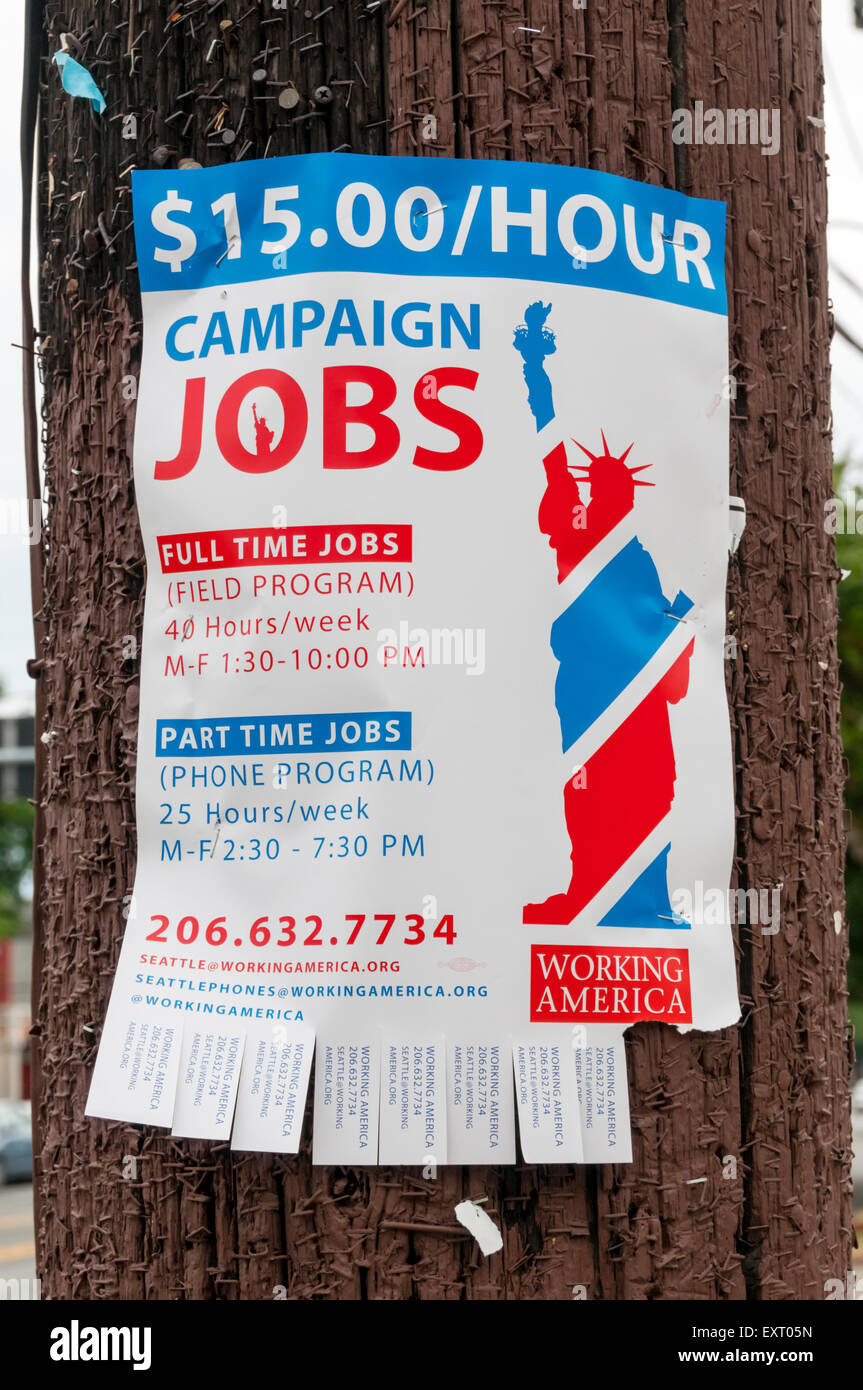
{"points": [[310, 47], [106, 236], [359, 70], [338, 149], [218, 120], [316, 17], [307, 35]]}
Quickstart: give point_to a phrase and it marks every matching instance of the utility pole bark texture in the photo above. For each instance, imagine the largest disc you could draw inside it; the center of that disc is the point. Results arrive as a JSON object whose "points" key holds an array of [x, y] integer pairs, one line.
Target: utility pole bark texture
{"points": [[740, 1186]]}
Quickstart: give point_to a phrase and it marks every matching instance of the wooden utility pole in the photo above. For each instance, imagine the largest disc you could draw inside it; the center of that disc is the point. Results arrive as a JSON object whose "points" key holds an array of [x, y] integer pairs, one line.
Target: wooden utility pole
{"points": [[739, 1186]]}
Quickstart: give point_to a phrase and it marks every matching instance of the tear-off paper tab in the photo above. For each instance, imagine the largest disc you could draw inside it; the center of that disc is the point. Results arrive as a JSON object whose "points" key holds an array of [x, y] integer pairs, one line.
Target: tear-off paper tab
{"points": [[347, 1091], [603, 1094], [139, 1057], [480, 1114], [271, 1100], [546, 1094], [210, 1062], [431, 466], [413, 1101]]}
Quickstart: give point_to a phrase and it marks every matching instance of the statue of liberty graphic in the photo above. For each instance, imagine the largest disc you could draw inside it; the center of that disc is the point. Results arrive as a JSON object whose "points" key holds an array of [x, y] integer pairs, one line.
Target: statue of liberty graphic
{"points": [[602, 641], [263, 434]]}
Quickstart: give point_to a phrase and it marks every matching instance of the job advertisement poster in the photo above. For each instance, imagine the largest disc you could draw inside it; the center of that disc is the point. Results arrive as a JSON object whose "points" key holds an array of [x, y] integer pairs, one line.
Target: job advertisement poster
{"points": [[431, 464]]}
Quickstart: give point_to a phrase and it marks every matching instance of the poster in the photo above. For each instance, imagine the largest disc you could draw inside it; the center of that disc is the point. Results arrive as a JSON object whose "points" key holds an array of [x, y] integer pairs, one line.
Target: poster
{"points": [[431, 463]]}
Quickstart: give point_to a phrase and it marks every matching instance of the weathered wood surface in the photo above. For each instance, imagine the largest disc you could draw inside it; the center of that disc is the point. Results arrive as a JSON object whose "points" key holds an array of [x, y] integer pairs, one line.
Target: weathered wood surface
{"points": [[539, 81]]}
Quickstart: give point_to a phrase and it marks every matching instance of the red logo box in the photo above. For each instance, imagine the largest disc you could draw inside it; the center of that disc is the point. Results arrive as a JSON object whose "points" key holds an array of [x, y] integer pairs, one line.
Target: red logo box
{"points": [[609, 984]]}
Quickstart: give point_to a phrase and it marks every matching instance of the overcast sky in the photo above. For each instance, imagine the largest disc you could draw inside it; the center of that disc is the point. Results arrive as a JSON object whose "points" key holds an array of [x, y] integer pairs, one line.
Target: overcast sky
{"points": [[844, 116]]}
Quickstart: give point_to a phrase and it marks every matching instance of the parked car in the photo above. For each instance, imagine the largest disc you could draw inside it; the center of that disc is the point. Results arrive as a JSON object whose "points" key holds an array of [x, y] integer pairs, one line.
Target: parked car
{"points": [[16, 1143]]}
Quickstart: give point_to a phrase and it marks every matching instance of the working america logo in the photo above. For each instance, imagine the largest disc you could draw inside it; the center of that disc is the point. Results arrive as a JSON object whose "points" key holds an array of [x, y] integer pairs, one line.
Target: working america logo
{"points": [[603, 640]]}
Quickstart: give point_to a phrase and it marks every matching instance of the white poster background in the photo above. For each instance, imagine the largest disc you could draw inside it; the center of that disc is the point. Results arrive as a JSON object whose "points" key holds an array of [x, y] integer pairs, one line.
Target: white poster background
{"points": [[645, 372]]}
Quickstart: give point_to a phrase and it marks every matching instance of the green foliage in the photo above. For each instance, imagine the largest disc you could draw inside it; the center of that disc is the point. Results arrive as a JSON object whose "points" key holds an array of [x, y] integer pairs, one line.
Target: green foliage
{"points": [[16, 858], [849, 553]]}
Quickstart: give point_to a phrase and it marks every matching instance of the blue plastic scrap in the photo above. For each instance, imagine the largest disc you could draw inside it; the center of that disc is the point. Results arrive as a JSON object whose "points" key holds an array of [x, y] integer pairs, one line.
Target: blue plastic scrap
{"points": [[78, 82]]}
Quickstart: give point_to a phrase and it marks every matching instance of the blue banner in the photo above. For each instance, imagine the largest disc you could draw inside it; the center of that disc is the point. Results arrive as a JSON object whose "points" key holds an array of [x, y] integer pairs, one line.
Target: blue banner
{"points": [[261, 219], [260, 734]]}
